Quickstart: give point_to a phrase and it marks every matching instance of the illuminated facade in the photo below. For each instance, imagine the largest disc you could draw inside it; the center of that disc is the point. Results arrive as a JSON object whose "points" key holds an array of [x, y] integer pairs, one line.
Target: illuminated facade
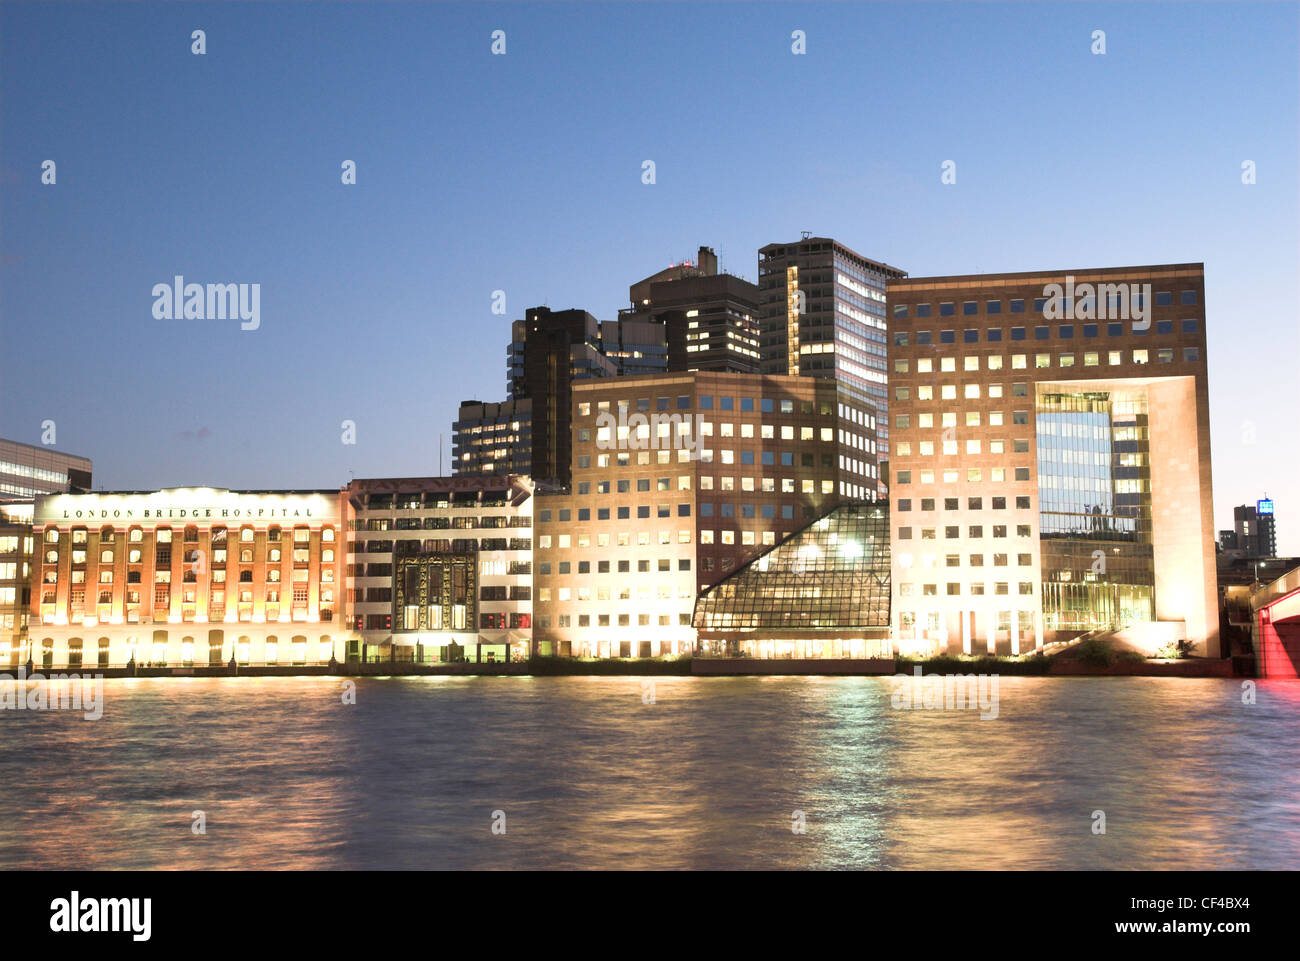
{"points": [[440, 568], [16, 545], [186, 576], [821, 593], [678, 480], [1050, 459], [822, 314]]}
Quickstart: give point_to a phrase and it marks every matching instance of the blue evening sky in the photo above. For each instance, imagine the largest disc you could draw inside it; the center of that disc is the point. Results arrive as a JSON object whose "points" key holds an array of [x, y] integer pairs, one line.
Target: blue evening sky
{"points": [[523, 173]]}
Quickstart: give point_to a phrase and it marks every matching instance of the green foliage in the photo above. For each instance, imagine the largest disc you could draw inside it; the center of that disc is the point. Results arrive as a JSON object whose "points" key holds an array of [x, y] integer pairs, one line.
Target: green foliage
{"points": [[984, 664], [1096, 652]]}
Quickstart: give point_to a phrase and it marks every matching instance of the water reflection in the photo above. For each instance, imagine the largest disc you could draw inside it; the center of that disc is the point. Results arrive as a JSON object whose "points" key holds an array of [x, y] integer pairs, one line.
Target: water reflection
{"points": [[709, 775]]}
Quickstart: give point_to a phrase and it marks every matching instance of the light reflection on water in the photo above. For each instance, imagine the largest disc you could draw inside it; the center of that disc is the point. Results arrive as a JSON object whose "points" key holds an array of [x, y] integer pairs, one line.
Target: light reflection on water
{"points": [[706, 777]]}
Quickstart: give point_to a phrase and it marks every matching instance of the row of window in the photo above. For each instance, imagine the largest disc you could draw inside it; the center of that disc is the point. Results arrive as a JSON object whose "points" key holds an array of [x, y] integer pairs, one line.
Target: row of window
{"points": [[624, 620], [1016, 305], [973, 531], [993, 335], [766, 405], [163, 535], [954, 589], [188, 576], [1089, 358], [953, 503], [974, 475]]}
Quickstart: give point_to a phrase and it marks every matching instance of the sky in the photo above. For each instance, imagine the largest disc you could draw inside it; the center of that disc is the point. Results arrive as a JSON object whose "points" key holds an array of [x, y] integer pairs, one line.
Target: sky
{"points": [[522, 173]]}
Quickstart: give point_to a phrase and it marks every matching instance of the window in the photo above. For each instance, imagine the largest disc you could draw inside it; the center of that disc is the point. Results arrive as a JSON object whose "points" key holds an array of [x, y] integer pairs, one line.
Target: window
{"points": [[1188, 298]]}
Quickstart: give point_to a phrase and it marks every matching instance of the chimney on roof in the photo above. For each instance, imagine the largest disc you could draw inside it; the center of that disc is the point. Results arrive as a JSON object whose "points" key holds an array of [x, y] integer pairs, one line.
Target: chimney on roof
{"points": [[707, 262]]}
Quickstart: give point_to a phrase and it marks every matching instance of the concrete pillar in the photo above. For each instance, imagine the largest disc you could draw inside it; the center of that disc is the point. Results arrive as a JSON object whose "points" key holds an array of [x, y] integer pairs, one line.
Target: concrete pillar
{"points": [[965, 631], [1038, 629], [991, 632], [1015, 632]]}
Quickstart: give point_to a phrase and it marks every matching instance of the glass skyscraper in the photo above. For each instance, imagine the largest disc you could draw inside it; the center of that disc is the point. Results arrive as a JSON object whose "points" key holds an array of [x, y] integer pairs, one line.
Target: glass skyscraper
{"points": [[822, 314]]}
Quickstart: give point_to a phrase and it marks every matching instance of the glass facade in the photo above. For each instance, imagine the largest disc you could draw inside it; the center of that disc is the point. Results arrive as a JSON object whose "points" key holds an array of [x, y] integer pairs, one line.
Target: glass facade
{"points": [[1094, 494], [819, 593]]}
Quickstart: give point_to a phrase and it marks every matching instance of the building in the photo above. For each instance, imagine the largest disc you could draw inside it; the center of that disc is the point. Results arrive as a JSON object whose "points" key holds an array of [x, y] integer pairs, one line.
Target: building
{"points": [[1253, 534], [15, 576], [678, 480], [710, 320], [492, 438], [822, 314], [187, 576], [823, 592], [27, 470], [1051, 459], [440, 568], [554, 349]]}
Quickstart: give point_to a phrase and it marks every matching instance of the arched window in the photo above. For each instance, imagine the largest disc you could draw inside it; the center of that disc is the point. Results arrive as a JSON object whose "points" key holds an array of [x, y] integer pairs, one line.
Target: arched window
{"points": [[246, 556], [51, 535], [191, 535], [273, 533], [106, 533], [246, 535], [106, 556], [327, 556], [327, 534], [245, 577], [135, 535], [162, 535]]}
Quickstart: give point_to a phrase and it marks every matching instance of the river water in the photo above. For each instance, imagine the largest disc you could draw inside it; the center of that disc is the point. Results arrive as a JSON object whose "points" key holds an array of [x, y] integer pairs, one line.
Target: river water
{"points": [[577, 772]]}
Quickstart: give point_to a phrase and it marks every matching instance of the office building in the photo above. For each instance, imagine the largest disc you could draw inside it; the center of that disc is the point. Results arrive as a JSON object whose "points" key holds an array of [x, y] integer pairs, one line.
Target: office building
{"points": [[822, 314], [440, 568], [490, 438], [710, 320], [1051, 459], [551, 349], [678, 480], [1253, 534], [27, 470]]}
